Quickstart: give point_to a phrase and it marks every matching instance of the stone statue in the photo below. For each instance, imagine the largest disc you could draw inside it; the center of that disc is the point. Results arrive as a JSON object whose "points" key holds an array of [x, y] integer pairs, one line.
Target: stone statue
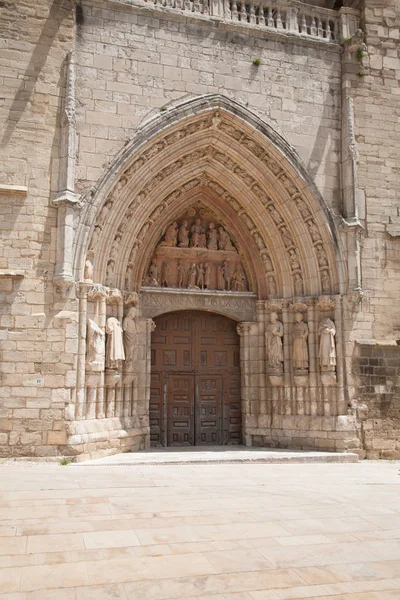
{"points": [[227, 275], [88, 271], [287, 238], [198, 238], [298, 284], [273, 342], [275, 215], [239, 281], [300, 348], [325, 281], [315, 235], [321, 256], [267, 263], [129, 276], [183, 235], [212, 237], [153, 277], [110, 272], [171, 235], [131, 341], [166, 274], [115, 247], [327, 350], [104, 212], [200, 276], [95, 347], [303, 208], [224, 241], [115, 344], [192, 278], [207, 276], [294, 260], [220, 278], [271, 285], [95, 237], [181, 274]]}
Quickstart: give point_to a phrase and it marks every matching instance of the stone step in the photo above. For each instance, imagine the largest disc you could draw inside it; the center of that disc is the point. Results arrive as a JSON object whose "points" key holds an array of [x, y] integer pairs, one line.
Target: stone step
{"points": [[217, 455]]}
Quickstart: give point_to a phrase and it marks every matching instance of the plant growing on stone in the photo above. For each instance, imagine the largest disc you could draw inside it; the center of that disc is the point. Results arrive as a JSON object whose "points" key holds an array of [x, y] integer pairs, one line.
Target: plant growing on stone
{"points": [[257, 62]]}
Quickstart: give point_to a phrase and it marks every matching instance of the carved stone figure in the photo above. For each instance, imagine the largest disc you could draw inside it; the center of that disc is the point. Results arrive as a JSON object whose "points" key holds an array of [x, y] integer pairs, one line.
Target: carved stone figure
{"points": [[212, 237], [153, 277], [220, 277], [239, 281], [224, 241], [88, 271], [131, 341], [303, 208], [166, 274], [298, 284], [321, 256], [275, 215], [294, 260], [207, 276], [300, 348], [227, 275], [129, 276], [313, 229], [171, 235], [104, 212], [110, 272], [267, 262], [115, 247], [273, 342], [198, 238], [327, 350], [287, 238], [181, 274], [271, 285], [200, 276], [95, 237], [115, 344], [183, 235], [95, 347], [325, 281], [192, 278]]}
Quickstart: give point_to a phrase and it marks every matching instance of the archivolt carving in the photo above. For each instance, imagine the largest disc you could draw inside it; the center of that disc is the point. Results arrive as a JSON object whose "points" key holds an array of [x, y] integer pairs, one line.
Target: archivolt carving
{"points": [[215, 121]]}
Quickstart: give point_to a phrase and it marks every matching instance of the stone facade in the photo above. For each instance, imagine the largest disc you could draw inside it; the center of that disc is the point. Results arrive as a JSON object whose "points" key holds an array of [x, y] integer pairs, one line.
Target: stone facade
{"points": [[120, 116]]}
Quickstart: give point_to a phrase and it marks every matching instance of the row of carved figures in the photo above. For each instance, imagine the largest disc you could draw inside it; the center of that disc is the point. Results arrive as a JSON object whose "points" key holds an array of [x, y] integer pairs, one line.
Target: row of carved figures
{"points": [[197, 277], [121, 345], [300, 356], [197, 236]]}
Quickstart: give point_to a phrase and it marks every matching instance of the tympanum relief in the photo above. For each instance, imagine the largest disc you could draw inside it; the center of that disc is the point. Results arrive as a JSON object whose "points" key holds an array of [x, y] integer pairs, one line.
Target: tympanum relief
{"points": [[197, 253]]}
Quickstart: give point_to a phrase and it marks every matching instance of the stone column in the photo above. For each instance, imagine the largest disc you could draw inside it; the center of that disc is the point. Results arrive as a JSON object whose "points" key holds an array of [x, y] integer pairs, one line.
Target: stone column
{"points": [[341, 400], [313, 356], [260, 309], [248, 418], [83, 289], [287, 358]]}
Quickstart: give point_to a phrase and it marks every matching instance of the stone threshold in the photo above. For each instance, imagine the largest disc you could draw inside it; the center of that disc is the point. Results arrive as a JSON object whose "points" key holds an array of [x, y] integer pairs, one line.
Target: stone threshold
{"points": [[217, 455]]}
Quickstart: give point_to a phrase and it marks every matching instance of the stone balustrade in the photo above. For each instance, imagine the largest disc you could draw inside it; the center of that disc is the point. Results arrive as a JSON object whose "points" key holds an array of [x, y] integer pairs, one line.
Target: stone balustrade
{"points": [[280, 16]]}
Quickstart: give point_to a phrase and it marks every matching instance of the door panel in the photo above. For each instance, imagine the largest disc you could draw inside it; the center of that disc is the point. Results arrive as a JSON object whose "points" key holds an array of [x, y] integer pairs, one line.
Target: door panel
{"points": [[208, 409], [195, 385], [180, 395]]}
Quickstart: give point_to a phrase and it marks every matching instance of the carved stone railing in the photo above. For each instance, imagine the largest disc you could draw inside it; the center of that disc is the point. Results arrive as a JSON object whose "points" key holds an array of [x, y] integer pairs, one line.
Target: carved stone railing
{"points": [[279, 16]]}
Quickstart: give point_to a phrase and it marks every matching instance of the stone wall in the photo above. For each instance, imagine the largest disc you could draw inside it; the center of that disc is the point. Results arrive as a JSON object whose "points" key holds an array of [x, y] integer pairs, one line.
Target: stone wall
{"points": [[377, 368]]}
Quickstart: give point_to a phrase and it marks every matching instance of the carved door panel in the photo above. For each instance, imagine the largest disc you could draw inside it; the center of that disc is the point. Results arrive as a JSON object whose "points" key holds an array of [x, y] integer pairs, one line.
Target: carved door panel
{"points": [[195, 384], [156, 409], [180, 402], [208, 403]]}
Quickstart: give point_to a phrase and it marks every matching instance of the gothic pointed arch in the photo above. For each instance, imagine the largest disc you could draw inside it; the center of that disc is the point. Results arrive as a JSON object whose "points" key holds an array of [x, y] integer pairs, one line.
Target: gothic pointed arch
{"points": [[210, 151]]}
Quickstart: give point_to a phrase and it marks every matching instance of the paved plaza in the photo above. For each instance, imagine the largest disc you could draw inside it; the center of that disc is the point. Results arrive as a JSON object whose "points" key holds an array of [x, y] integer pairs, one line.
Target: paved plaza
{"points": [[200, 531]]}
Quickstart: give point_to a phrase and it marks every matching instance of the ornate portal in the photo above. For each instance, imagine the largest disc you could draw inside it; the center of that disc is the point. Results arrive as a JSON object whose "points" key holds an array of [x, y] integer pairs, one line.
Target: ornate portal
{"points": [[197, 253]]}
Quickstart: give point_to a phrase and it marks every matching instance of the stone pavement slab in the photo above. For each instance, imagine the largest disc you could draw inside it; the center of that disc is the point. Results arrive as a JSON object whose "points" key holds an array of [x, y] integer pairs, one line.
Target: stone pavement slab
{"points": [[219, 454], [228, 531]]}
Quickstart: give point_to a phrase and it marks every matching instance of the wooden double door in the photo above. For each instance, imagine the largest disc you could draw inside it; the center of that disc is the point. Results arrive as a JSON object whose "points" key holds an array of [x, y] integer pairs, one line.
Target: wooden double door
{"points": [[195, 381]]}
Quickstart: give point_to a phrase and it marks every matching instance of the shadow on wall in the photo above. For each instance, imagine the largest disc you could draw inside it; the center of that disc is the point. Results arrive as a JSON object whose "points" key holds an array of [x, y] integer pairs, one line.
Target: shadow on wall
{"points": [[35, 66]]}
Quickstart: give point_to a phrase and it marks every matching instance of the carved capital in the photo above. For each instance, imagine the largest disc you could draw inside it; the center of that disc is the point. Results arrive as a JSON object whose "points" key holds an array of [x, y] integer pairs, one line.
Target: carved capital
{"points": [[97, 292], [243, 328], [273, 305], [354, 299], [64, 287], [66, 198], [130, 298], [326, 303], [298, 305]]}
